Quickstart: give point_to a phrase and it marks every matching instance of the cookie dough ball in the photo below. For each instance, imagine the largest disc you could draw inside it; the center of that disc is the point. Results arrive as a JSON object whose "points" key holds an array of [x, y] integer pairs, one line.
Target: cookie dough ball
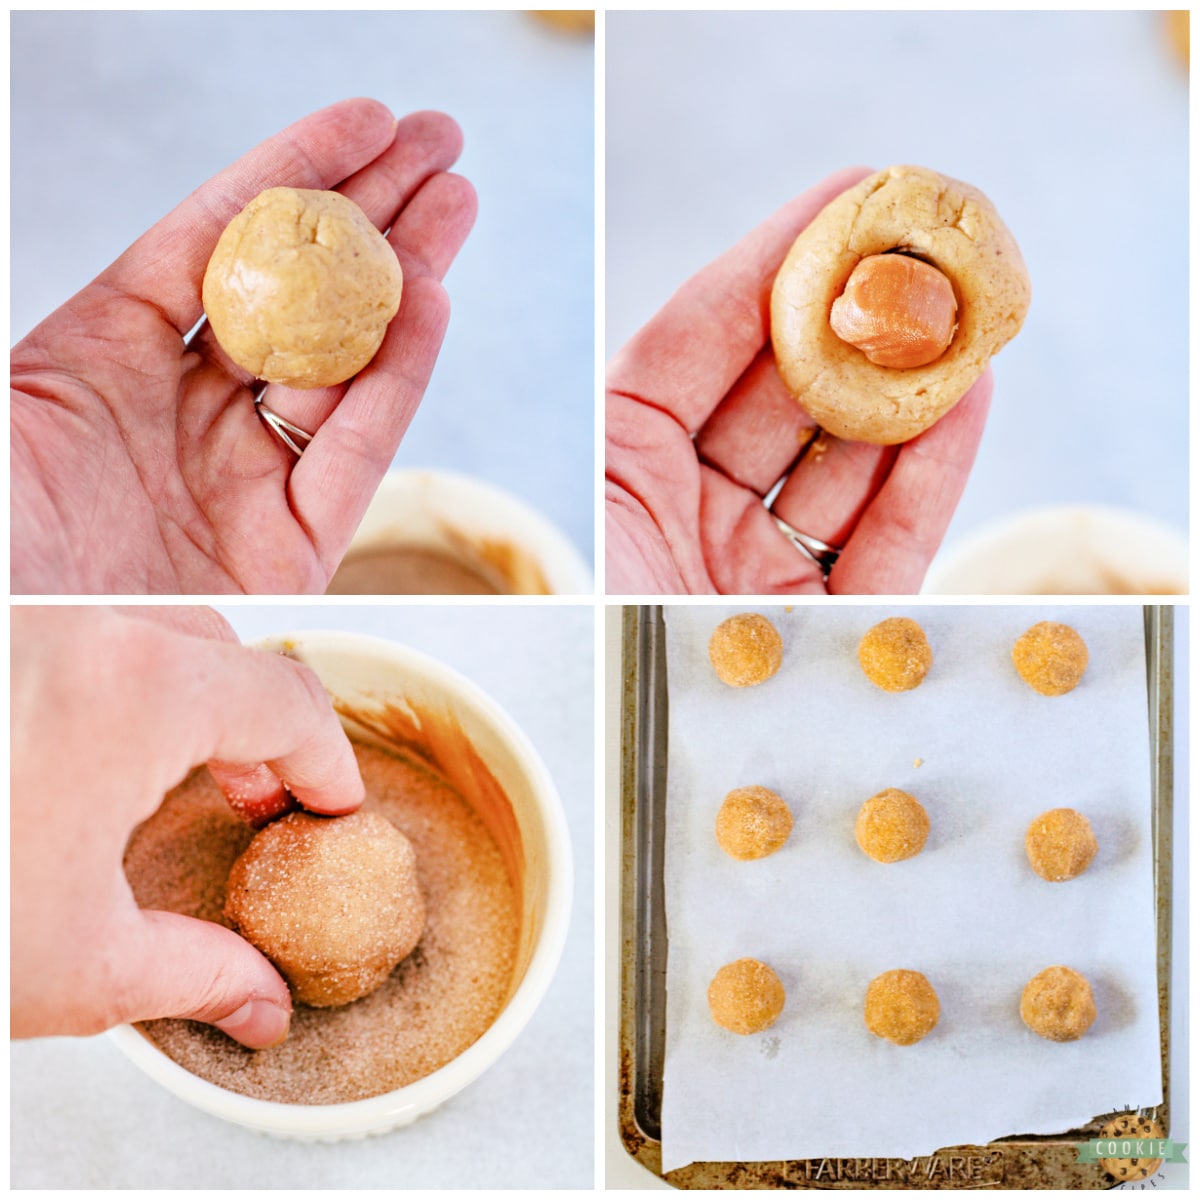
{"points": [[1131, 1127], [301, 287], [752, 823], [333, 902], [745, 996], [891, 826], [1050, 657], [892, 301], [1060, 844], [745, 650], [901, 1007], [895, 655], [1057, 1004]]}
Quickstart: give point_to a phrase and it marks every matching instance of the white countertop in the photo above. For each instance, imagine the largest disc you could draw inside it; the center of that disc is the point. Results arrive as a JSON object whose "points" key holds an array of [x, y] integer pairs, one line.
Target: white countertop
{"points": [[84, 1116], [117, 116], [1074, 123]]}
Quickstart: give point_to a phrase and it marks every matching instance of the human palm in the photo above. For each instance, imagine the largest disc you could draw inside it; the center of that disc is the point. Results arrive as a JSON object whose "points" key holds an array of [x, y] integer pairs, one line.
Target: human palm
{"points": [[139, 462], [700, 429]]}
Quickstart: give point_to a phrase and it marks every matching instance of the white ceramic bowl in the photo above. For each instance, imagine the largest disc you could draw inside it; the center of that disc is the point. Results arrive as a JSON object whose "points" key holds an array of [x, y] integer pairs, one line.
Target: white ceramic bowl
{"points": [[474, 523], [1084, 550], [389, 686]]}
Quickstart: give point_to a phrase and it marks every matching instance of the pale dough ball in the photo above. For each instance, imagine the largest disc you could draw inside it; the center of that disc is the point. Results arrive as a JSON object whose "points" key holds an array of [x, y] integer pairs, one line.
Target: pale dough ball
{"points": [[752, 823], [891, 826], [901, 1007], [745, 650], [333, 902], [1060, 844], [745, 996], [301, 287], [1050, 657], [895, 654], [1057, 1004]]}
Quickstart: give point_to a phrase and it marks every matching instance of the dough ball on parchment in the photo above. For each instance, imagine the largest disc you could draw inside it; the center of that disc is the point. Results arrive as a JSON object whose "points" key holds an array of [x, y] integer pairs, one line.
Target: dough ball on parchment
{"points": [[1057, 1004], [333, 902], [1050, 657], [301, 287], [901, 1006], [1060, 844], [895, 654], [745, 650], [891, 826], [745, 996], [753, 822]]}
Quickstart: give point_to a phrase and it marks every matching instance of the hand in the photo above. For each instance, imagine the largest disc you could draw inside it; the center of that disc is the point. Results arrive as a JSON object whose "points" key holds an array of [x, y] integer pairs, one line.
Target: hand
{"points": [[139, 464], [700, 427], [109, 711]]}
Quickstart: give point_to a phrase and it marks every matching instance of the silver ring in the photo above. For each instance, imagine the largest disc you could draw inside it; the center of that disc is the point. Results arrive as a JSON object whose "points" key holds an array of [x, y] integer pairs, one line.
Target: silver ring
{"points": [[292, 436], [821, 553]]}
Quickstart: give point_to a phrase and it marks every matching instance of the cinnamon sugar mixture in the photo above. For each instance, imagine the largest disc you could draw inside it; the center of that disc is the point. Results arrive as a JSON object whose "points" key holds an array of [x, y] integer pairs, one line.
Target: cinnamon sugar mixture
{"points": [[434, 1005]]}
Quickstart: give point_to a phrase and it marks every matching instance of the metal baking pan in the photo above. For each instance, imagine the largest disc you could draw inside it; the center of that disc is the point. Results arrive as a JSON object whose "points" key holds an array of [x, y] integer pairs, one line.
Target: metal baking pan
{"points": [[1015, 1162]]}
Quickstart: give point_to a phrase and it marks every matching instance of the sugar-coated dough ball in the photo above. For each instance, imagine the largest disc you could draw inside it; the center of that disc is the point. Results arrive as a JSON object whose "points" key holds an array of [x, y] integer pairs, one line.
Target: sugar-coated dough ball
{"points": [[333, 902], [1050, 657], [745, 650], [753, 822], [901, 1007], [301, 287], [745, 996], [1057, 1004], [1060, 844], [891, 826], [895, 654]]}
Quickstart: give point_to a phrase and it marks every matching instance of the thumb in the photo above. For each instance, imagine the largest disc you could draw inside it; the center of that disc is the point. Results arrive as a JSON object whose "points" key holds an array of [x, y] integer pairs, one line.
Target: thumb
{"points": [[179, 966]]}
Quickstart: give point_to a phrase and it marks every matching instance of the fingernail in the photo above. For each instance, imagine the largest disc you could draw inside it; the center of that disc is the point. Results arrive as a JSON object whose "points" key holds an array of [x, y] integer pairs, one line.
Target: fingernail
{"points": [[259, 1024]]}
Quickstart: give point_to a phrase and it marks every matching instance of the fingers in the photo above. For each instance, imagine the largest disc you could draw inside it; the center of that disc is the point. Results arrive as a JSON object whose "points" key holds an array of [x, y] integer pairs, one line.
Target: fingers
{"points": [[253, 791], [831, 487], [902, 528], [693, 351], [247, 706], [168, 965], [745, 551], [334, 481], [758, 430], [165, 266]]}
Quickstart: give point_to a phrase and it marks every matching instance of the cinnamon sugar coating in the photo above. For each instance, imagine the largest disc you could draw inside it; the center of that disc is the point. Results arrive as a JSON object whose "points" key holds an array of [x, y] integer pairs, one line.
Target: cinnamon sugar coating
{"points": [[1057, 1004], [1060, 844], [895, 654], [745, 650], [333, 902], [901, 1006], [1050, 657], [434, 1005], [753, 822], [745, 996], [891, 826]]}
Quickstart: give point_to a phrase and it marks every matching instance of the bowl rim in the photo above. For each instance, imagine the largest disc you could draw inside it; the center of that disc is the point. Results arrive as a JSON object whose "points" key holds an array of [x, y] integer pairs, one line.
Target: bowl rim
{"points": [[378, 1113]]}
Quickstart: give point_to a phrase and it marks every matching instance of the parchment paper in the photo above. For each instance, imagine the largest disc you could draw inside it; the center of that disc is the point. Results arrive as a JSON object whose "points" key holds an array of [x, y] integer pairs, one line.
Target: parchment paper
{"points": [[968, 911]]}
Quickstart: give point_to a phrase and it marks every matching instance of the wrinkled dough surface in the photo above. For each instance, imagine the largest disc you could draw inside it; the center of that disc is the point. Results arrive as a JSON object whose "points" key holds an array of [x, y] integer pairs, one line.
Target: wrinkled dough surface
{"points": [[948, 224], [301, 287]]}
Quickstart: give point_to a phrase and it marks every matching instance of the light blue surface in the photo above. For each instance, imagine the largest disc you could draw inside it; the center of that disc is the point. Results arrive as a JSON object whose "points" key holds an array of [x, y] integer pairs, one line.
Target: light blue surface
{"points": [[116, 117], [1075, 124], [84, 1116]]}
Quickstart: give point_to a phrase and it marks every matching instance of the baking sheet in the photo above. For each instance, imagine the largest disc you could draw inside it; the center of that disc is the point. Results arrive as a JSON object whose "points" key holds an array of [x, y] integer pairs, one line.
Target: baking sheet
{"points": [[968, 911]]}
